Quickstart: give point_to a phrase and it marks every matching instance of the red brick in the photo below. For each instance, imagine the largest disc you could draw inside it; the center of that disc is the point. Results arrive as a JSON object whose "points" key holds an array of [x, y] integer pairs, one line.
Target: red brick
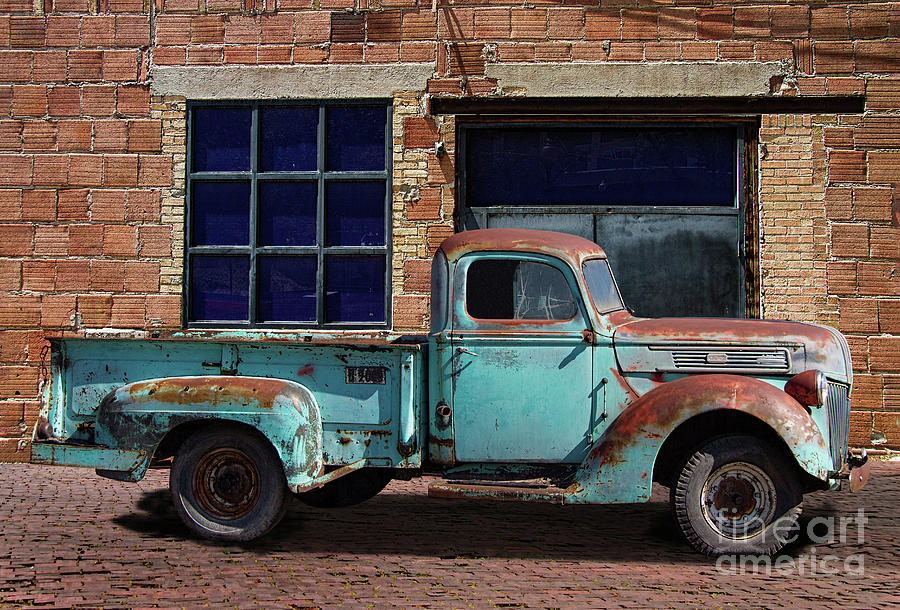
{"points": [[17, 170], [64, 101], [440, 169], [240, 29], [466, 59], [877, 55], [847, 166], [205, 56], [427, 206], [842, 277], [111, 136], [120, 65], [155, 240], [16, 381], [273, 54], [127, 312], [98, 100], [73, 136], [872, 204], [244, 54], [382, 53], [95, 310], [626, 51], [62, 31], [849, 240], [435, 236], [10, 275], [126, 6], [348, 27], [120, 170], [714, 23], [207, 29], [15, 66], [790, 21], [20, 312], [38, 136], [878, 278], [85, 240], [72, 204], [839, 203], [602, 24], [869, 21], [57, 310], [49, 66], [11, 204], [141, 276], [144, 136], [309, 55], [516, 51], [29, 100], [143, 206], [419, 132], [845, 85], [189, 6], [418, 25], [884, 354], [883, 94], [833, 57], [553, 51], [884, 167], [830, 23], [11, 135], [386, 26], [73, 275], [774, 51], [85, 170], [38, 275], [858, 316], [528, 24], [173, 30], [314, 27], [276, 28], [51, 240], [752, 22], [229, 6], [418, 51], [98, 31], [39, 205], [677, 23], [417, 275], [885, 242], [164, 310], [493, 23], [120, 240], [108, 205], [26, 32], [50, 170], [85, 65], [453, 24], [154, 170], [566, 23], [107, 276], [346, 53], [889, 316], [132, 31]]}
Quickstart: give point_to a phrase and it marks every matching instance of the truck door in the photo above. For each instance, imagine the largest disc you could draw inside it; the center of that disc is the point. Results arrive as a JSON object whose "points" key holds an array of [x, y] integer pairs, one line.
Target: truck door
{"points": [[521, 371]]}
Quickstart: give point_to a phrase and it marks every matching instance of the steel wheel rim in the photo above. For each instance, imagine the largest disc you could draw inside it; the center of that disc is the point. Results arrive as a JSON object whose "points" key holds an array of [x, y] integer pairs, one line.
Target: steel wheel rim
{"points": [[226, 483], [738, 500]]}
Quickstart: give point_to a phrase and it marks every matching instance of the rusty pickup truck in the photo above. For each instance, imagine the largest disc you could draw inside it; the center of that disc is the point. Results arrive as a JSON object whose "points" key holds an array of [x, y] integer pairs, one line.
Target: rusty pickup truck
{"points": [[535, 383]]}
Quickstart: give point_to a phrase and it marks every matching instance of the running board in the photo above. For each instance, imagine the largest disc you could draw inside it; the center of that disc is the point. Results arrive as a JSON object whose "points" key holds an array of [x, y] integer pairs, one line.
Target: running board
{"points": [[501, 492]]}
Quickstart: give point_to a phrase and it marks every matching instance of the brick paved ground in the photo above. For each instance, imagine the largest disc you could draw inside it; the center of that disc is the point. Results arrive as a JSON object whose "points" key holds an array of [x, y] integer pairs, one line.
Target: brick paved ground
{"points": [[73, 539]]}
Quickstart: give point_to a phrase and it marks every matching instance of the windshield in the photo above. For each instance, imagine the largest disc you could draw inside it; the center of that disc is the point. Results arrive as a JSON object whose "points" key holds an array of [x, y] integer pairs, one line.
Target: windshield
{"points": [[599, 279]]}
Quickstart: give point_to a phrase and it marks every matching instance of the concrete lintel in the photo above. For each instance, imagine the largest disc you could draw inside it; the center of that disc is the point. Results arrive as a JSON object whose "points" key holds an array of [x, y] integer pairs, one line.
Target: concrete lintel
{"points": [[295, 82], [638, 80]]}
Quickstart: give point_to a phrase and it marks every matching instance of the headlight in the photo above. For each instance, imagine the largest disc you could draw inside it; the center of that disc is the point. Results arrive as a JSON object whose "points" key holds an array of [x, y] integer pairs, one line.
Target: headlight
{"points": [[809, 388]]}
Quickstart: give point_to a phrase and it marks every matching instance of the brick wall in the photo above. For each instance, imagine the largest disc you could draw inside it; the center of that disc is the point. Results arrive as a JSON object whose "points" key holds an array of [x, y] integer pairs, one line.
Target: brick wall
{"points": [[92, 166]]}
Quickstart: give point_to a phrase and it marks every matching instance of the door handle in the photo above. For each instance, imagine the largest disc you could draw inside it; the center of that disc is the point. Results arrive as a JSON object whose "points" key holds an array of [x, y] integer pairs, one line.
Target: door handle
{"points": [[462, 350]]}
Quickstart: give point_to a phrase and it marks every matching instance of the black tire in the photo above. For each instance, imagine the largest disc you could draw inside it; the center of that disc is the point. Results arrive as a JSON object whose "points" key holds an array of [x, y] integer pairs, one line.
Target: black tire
{"points": [[737, 495], [350, 489], [228, 484]]}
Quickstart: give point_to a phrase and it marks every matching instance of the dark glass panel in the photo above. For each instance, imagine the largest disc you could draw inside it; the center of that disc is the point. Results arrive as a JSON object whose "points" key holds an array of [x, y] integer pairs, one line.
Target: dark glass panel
{"points": [[354, 213], [221, 139], [354, 289], [220, 287], [355, 137], [287, 213], [601, 166], [287, 288], [220, 213], [287, 138]]}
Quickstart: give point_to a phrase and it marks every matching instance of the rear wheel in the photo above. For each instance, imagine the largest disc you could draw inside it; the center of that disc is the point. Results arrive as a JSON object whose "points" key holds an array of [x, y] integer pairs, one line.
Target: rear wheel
{"points": [[737, 495], [227, 484], [350, 489]]}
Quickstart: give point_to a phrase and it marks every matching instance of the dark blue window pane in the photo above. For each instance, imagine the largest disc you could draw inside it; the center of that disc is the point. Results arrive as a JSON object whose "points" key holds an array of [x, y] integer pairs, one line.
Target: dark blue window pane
{"points": [[354, 289], [220, 287], [354, 213], [221, 139], [287, 288], [356, 138], [287, 138], [220, 213], [287, 213], [602, 165]]}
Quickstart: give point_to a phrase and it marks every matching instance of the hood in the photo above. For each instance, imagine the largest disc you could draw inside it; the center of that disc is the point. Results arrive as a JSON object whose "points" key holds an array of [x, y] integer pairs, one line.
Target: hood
{"points": [[695, 345]]}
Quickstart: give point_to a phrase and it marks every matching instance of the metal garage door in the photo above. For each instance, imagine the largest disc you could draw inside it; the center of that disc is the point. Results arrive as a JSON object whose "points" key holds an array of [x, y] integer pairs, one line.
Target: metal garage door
{"points": [[664, 200]]}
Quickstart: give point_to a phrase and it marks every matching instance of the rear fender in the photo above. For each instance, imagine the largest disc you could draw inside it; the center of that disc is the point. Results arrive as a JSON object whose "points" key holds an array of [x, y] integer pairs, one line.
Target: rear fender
{"points": [[619, 467], [137, 416]]}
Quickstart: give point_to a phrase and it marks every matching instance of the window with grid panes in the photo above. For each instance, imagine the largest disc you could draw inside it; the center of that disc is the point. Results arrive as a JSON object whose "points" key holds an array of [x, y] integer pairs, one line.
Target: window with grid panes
{"points": [[288, 214]]}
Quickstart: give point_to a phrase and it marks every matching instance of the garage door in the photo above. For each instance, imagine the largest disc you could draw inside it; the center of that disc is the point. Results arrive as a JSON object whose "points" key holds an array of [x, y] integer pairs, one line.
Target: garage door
{"points": [[664, 200]]}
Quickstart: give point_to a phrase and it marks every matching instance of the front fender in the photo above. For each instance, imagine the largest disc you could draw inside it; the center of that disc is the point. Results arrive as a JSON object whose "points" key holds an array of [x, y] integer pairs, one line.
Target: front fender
{"points": [[137, 416], [619, 467]]}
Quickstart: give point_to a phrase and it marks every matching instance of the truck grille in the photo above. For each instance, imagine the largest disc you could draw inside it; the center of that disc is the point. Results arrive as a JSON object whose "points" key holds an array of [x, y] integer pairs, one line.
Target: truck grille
{"points": [[838, 422], [774, 360]]}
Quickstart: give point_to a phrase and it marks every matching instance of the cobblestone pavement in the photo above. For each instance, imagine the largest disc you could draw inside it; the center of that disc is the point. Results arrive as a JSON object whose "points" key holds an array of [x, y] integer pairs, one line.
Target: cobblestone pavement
{"points": [[73, 539]]}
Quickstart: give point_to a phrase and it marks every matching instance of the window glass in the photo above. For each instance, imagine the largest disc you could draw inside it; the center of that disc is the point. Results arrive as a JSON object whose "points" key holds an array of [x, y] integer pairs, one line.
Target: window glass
{"points": [[355, 288], [287, 138], [498, 289], [601, 165], [221, 139], [600, 283], [220, 287], [220, 213], [356, 138], [355, 213], [287, 288], [287, 213]]}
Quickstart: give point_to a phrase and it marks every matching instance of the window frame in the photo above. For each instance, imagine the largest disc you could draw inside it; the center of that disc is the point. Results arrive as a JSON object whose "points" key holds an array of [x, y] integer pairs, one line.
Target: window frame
{"points": [[320, 249]]}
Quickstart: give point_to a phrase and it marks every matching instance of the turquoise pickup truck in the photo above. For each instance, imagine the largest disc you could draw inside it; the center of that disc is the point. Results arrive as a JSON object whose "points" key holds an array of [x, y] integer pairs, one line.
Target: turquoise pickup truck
{"points": [[535, 383]]}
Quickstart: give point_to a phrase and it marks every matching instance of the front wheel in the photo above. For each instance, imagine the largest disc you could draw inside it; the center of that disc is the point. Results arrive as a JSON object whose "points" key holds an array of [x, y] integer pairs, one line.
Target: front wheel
{"points": [[227, 484], [737, 495]]}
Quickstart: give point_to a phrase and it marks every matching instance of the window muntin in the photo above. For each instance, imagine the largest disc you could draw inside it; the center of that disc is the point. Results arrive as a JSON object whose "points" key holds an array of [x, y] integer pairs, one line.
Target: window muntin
{"points": [[504, 289], [661, 165], [288, 214], [602, 287]]}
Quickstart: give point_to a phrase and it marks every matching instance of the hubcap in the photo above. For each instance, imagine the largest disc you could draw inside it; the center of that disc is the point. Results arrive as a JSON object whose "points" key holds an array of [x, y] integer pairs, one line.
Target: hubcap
{"points": [[226, 483], [738, 500]]}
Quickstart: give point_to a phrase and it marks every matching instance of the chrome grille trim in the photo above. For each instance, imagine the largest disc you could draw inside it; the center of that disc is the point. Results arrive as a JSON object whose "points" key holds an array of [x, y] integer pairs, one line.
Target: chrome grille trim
{"points": [[704, 359], [838, 405]]}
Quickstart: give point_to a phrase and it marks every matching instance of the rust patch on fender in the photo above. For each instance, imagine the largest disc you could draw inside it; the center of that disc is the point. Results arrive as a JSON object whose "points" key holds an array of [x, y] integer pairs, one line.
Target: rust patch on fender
{"points": [[210, 390]]}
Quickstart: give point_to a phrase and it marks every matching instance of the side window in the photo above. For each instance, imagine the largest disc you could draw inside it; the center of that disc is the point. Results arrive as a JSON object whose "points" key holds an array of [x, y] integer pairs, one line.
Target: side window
{"points": [[498, 289]]}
